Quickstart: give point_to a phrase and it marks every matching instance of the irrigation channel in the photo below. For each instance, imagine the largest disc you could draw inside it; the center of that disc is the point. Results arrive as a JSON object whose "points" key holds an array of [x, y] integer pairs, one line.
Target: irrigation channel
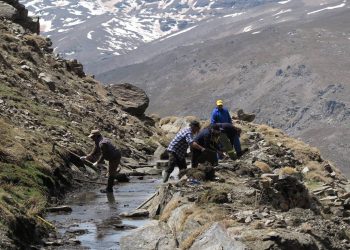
{"points": [[94, 222]]}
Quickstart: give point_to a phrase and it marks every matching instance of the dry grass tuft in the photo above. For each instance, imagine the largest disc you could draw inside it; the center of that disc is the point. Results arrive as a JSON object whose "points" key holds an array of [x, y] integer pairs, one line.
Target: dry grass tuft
{"points": [[288, 171], [169, 208], [265, 168], [313, 166], [229, 223], [165, 120], [186, 244], [186, 215], [39, 41], [318, 177]]}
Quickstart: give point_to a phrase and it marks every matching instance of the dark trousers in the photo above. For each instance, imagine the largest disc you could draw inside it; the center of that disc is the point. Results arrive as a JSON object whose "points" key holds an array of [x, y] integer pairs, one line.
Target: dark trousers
{"points": [[233, 135], [174, 161], [234, 139], [113, 164], [202, 157]]}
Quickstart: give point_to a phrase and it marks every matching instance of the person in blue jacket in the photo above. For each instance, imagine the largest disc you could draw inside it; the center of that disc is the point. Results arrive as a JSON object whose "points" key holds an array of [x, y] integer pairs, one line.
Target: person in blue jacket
{"points": [[220, 114], [221, 117]]}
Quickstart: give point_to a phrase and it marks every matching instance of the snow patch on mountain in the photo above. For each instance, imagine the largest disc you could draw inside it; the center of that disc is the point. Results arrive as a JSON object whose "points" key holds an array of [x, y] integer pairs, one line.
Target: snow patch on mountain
{"points": [[89, 35], [284, 2], [282, 12], [234, 14], [178, 33], [94, 8], [327, 8]]}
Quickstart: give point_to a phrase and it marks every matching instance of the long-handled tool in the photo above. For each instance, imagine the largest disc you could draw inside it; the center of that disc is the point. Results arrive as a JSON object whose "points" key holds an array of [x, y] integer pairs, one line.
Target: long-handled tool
{"points": [[85, 161], [146, 201]]}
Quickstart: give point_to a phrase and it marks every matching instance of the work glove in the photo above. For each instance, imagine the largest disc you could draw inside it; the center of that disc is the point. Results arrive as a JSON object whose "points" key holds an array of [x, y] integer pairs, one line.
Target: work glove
{"points": [[222, 155], [97, 165], [83, 158]]}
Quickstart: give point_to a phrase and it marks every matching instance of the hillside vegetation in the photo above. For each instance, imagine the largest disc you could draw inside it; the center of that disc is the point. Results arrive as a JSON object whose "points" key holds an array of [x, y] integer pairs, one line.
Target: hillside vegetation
{"points": [[46, 100]]}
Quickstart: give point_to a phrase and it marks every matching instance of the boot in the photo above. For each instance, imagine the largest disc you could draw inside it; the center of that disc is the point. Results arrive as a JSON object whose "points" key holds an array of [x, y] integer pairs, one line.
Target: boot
{"points": [[245, 150], [165, 176], [110, 183]]}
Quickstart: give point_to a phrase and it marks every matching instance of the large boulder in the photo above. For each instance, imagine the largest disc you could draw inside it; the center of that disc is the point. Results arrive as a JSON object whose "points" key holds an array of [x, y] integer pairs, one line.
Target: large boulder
{"points": [[132, 99], [155, 235], [15, 11], [216, 237], [245, 116], [173, 124], [8, 11]]}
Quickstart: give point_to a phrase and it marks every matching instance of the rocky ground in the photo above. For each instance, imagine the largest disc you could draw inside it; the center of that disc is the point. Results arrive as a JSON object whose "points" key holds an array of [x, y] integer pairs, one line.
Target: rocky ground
{"points": [[280, 195]]}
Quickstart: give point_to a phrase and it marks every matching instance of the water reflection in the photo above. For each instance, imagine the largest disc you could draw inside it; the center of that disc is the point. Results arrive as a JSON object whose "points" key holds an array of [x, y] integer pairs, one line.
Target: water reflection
{"points": [[97, 214]]}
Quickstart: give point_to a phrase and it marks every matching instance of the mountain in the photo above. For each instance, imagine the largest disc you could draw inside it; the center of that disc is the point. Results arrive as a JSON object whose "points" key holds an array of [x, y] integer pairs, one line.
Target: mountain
{"points": [[93, 31], [288, 63]]}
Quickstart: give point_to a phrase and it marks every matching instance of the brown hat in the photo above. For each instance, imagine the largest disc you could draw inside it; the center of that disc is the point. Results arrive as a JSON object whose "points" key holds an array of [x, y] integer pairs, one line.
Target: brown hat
{"points": [[95, 132]]}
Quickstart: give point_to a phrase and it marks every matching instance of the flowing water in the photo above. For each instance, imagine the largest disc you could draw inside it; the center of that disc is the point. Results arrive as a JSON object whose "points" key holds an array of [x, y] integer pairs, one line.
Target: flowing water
{"points": [[95, 220]]}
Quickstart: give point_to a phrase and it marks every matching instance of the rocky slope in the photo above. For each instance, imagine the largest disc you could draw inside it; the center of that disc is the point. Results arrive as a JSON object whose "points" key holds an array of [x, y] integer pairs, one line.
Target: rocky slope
{"points": [[280, 195], [46, 100], [286, 63]]}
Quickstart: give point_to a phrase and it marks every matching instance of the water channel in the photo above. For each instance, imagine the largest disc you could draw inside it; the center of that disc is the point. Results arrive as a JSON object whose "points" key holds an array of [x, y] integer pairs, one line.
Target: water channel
{"points": [[95, 219]]}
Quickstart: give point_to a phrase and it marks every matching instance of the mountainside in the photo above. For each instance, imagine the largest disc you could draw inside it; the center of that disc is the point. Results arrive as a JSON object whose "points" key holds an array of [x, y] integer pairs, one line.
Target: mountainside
{"points": [[93, 31], [45, 101], [288, 64]]}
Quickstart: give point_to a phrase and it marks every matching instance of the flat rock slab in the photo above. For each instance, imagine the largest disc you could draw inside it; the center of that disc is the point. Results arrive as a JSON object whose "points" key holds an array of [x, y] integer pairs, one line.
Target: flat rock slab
{"points": [[136, 213], [149, 171]]}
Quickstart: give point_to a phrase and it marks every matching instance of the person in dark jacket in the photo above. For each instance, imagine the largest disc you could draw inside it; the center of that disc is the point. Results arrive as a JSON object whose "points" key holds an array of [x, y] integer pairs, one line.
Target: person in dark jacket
{"points": [[208, 138], [220, 114], [233, 134], [105, 150]]}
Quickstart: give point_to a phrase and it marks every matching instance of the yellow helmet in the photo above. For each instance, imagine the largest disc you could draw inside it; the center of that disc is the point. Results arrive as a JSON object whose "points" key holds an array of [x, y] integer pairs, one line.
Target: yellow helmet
{"points": [[219, 103]]}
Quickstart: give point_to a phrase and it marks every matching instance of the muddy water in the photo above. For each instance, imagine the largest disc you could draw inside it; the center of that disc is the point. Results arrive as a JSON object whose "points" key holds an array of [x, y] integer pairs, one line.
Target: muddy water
{"points": [[94, 220]]}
